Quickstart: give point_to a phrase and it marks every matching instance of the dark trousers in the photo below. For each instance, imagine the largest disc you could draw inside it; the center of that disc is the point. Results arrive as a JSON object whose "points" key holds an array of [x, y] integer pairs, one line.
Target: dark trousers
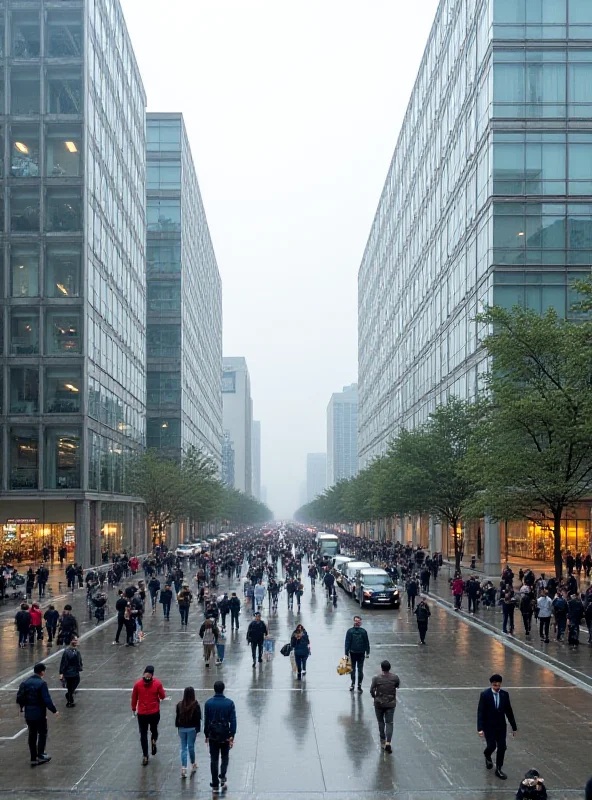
{"points": [[411, 601], [37, 737], [71, 684], [184, 612], [41, 587], [472, 604], [224, 614], [561, 625], [120, 624], [508, 612], [234, 618], [527, 619], [357, 662], [218, 749], [300, 663], [496, 741], [166, 610], [257, 646], [51, 632], [544, 623], [146, 721], [457, 600], [422, 627]]}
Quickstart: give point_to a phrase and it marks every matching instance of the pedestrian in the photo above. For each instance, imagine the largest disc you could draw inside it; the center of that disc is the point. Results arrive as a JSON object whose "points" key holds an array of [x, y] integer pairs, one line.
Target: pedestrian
{"points": [[458, 588], [545, 609], [219, 730], [527, 609], [22, 620], [300, 644], [575, 614], [560, 609], [220, 647], [121, 605], [422, 613], [184, 599], [508, 608], [188, 724], [298, 593], [412, 589], [153, 589], [51, 618], [256, 633], [357, 648], [166, 598], [532, 787], [224, 608], [235, 607], [68, 626], [494, 708], [70, 669], [208, 633], [146, 698], [384, 691], [259, 595], [34, 699]]}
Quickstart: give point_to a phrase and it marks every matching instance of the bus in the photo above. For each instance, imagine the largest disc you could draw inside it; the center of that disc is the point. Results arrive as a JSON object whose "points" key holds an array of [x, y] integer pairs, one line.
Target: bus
{"points": [[328, 544]]}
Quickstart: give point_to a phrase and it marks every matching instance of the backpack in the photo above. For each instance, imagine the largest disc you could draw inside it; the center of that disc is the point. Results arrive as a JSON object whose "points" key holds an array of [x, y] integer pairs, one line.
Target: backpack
{"points": [[358, 641], [219, 730]]}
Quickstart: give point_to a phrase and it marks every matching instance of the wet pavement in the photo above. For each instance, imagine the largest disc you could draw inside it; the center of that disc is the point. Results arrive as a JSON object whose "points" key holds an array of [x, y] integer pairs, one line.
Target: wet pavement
{"points": [[309, 740]]}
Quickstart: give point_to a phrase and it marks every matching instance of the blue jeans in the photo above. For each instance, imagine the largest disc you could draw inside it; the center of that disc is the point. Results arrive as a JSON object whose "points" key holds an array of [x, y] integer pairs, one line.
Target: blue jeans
{"points": [[187, 736]]}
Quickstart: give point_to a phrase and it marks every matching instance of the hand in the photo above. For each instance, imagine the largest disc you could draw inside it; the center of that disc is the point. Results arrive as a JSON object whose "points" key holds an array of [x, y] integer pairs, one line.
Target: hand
{"points": [[134, 713], [61, 677], [207, 740], [57, 713], [367, 655], [481, 734], [514, 733]]}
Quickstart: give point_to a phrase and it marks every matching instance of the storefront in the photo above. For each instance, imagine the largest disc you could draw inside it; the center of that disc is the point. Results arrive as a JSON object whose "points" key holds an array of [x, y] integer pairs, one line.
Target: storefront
{"points": [[534, 540], [23, 539]]}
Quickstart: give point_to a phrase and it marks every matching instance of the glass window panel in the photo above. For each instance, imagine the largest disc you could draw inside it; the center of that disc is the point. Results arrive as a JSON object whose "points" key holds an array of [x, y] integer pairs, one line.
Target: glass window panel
{"points": [[26, 35], [2, 53], [508, 83], [554, 297], [24, 271], [24, 390], [545, 232], [545, 161], [545, 83], [508, 161], [63, 390], [164, 341], [580, 232], [24, 151], [63, 210], [164, 257], [546, 11], [164, 176], [580, 161], [63, 333], [163, 215], [25, 91], [164, 295], [580, 11], [508, 296], [509, 232], [580, 83], [64, 92], [533, 298], [2, 92], [24, 332], [63, 149], [63, 270], [24, 210], [508, 11], [24, 455], [62, 458], [64, 34]]}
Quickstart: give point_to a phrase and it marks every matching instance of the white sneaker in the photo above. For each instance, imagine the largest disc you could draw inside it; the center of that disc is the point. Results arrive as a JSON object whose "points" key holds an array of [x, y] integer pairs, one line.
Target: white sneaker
{"points": [[183, 772], [193, 768]]}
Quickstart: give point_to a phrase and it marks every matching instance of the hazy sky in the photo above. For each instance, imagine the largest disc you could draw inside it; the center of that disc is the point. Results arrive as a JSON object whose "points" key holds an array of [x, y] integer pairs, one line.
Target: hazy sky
{"points": [[293, 111]]}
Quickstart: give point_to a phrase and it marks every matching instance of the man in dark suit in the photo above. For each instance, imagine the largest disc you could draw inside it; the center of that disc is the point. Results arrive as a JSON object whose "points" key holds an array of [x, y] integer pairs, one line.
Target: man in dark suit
{"points": [[494, 708]]}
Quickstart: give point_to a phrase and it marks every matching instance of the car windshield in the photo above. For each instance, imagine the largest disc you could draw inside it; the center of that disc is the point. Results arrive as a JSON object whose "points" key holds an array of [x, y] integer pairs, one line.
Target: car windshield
{"points": [[382, 581]]}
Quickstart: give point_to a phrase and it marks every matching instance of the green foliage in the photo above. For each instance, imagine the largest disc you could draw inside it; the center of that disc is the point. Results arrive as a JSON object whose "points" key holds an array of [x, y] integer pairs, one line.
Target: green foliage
{"points": [[240, 509]]}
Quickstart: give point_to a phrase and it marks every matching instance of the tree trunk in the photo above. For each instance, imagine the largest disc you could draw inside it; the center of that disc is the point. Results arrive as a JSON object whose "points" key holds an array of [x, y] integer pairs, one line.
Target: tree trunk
{"points": [[457, 552], [557, 543]]}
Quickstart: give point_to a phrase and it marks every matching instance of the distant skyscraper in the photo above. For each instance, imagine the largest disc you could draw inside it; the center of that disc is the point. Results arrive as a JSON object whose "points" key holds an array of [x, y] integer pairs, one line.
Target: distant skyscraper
{"points": [[342, 435], [238, 419], [264, 494], [256, 459], [316, 475], [302, 495], [227, 460]]}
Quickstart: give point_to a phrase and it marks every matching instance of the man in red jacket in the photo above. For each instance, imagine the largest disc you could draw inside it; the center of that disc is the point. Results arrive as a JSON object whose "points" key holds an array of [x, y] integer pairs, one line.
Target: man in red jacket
{"points": [[146, 696], [458, 587]]}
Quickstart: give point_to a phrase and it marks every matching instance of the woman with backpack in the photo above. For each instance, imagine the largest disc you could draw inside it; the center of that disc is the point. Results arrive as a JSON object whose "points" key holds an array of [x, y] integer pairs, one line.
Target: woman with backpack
{"points": [[188, 724], [208, 633]]}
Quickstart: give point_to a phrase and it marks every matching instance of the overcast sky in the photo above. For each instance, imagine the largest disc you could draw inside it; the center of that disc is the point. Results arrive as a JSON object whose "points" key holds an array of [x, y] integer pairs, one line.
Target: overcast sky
{"points": [[293, 111]]}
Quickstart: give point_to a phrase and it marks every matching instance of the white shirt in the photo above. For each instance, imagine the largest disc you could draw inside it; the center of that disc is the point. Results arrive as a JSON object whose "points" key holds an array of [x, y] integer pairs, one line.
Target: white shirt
{"points": [[545, 606]]}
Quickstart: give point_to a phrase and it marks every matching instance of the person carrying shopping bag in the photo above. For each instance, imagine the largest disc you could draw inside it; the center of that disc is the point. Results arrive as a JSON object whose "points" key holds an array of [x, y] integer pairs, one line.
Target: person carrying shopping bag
{"points": [[188, 724], [301, 648], [209, 635]]}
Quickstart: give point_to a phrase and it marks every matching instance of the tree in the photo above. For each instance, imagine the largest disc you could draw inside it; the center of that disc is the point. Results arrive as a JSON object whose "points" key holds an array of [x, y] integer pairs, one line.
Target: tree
{"points": [[240, 509], [205, 496], [534, 454]]}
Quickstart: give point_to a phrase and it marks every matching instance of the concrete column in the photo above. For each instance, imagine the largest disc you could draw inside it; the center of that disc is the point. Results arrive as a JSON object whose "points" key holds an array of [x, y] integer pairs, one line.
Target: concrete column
{"points": [[82, 522], [492, 562], [173, 536], [129, 540], [96, 524]]}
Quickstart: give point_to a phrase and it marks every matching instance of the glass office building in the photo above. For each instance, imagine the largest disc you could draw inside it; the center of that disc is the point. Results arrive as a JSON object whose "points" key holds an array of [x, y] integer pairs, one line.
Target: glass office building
{"points": [[72, 161], [184, 329], [488, 199]]}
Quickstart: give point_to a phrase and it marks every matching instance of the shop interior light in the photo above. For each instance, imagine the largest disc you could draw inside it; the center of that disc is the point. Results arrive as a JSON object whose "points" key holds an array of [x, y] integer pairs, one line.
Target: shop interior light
{"points": [[62, 288], [521, 233], [71, 147], [71, 387], [165, 424], [21, 147]]}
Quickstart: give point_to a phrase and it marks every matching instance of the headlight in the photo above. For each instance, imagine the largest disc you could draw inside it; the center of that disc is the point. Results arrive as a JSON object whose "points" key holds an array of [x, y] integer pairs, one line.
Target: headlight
{"points": [[367, 593], [396, 592]]}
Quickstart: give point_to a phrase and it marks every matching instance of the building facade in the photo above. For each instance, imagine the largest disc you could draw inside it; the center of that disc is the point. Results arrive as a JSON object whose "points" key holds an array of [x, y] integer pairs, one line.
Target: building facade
{"points": [[342, 435], [184, 301], [316, 475], [238, 419], [72, 155], [256, 459], [227, 460], [487, 200]]}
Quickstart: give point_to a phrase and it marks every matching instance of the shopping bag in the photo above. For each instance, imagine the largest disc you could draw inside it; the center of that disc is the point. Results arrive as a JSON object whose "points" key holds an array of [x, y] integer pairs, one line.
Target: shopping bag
{"points": [[344, 667], [286, 649], [268, 648], [293, 662]]}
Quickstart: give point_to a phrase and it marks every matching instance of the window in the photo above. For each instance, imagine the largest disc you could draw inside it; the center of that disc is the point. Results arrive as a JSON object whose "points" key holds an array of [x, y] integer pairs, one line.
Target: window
{"points": [[63, 35], [24, 390], [63, 148], [163, 433], [63, 390], [163, 258], [164, 341], [62, 458], [24, 151], [164, 176], [24, 332], [532, 89], [64, 91], [164, 389], [25, 91], [164, 295], [24, 455], [163, 215], [580, 90], [63, 332], [63, 210], [164, 135], [26, 35], [24, 210], [62, 270], [24, 271], [580, 18]]}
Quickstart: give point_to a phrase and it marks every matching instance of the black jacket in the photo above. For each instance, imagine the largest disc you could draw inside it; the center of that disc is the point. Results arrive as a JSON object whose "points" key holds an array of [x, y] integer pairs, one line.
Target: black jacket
{"points": [[166, 596], [190, 721], [235, 604], [356, 641], [491, 719], [22, 620], [35, 698], [121, 605], [71, 663], [257, 631]]}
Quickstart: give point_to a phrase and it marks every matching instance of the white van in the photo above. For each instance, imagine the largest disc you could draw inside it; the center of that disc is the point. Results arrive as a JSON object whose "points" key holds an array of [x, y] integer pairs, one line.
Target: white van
{"points": [[349, 572]]}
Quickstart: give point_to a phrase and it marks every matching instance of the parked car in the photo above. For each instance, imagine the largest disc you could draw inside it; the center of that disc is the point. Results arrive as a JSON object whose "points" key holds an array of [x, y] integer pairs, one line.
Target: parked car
{"points": [[348, 575], [337, 562], [376, 587]]}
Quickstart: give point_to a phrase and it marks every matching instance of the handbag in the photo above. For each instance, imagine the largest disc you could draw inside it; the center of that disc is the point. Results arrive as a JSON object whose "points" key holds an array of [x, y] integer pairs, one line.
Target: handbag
{"points": [[344, 667], [286, 649]]}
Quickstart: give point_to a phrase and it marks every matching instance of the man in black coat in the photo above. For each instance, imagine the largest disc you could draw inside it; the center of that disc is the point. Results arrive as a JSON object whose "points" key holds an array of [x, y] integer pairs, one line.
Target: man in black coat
{"points": [[235, 607], [256, 633], [494, 708], [34, 699]]}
